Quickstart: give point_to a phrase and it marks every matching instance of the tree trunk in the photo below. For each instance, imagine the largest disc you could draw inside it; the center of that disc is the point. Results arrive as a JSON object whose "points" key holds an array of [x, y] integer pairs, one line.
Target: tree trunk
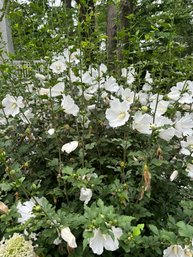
{"points": [[126, 7], [111, 35], [67, 3]]}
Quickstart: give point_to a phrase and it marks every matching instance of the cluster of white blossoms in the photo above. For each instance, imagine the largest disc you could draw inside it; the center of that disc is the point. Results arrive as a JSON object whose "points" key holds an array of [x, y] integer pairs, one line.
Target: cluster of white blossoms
{"points": [[16, 246], [145, 112]]}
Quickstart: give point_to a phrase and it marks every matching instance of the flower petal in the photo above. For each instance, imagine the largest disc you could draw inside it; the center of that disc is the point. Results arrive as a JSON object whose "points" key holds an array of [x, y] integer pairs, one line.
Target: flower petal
{"points": [[68, 237], [97, 242], [69, 147]]}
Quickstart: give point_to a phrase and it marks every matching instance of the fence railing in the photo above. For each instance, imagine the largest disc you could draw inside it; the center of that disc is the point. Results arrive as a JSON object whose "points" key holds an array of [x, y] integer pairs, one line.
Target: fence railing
{"points": [[25, 68]]}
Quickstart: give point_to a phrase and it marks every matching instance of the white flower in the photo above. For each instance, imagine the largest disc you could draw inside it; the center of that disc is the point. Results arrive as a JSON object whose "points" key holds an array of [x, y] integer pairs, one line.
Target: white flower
{"points": [[111, 85], [69, 147], [143, 97], [160, 107], [87, 78], [174, 251], [167, 134], [16, 246], [189, 169], [148, 78], [51, 131], [25, 209], [27, 115], [187, 146], [100, 241], [71, 56], [128, 73], [67, 236], [89, 92], [184, 126], [69, 106], [39, 76], [117, 114], [174, 175], [85, 195], [58, 66], [57, 90], [103, 68], [126, 94], [144, 123], [186, 98], [141, 122], [12, 105], [44, 91], [146, 87], [176, 91]]}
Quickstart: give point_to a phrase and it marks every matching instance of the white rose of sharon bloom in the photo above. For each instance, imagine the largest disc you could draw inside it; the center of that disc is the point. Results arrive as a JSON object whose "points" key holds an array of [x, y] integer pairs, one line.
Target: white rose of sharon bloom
{"points": [[187, 146], [100, 241], [142, 122], [174, 251], [184, 126], [69, 106], [67, 236], [126, 94], [160, 107], [25, 209], [39, 76], [12, 105], [27, 115], [111, 85], [69, 147], [85, 195], [167, 134], [117, 114], [58, 67], [57, 90]]}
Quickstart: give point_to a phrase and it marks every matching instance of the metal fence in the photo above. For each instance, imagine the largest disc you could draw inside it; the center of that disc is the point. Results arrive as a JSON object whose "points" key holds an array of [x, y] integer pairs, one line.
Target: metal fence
{"points": [[25, 68]]}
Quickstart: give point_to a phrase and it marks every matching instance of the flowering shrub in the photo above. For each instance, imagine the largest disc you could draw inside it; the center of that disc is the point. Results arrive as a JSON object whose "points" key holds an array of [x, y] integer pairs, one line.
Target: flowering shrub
{"points": [[92, 163]]}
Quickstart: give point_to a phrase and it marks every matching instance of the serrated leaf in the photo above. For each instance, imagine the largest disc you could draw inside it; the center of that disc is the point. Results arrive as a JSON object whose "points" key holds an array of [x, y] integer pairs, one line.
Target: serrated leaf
{"points": [[185, 230], [154, 229]]}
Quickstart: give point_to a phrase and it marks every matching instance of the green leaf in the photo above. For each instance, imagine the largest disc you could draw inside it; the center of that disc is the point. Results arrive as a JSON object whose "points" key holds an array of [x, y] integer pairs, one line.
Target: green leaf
{"points": [[185, 230], [137, 230], [154, 229]]}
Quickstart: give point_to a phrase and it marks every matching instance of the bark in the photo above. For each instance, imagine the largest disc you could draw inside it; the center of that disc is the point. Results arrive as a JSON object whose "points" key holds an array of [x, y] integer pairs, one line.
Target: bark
{"points": [[67, 3], [126, 8], [111, 35]]}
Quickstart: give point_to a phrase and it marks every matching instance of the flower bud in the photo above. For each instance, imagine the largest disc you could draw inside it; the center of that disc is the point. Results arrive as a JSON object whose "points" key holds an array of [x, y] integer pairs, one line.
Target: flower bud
{"points": [[144, 108], [3, 208]]}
